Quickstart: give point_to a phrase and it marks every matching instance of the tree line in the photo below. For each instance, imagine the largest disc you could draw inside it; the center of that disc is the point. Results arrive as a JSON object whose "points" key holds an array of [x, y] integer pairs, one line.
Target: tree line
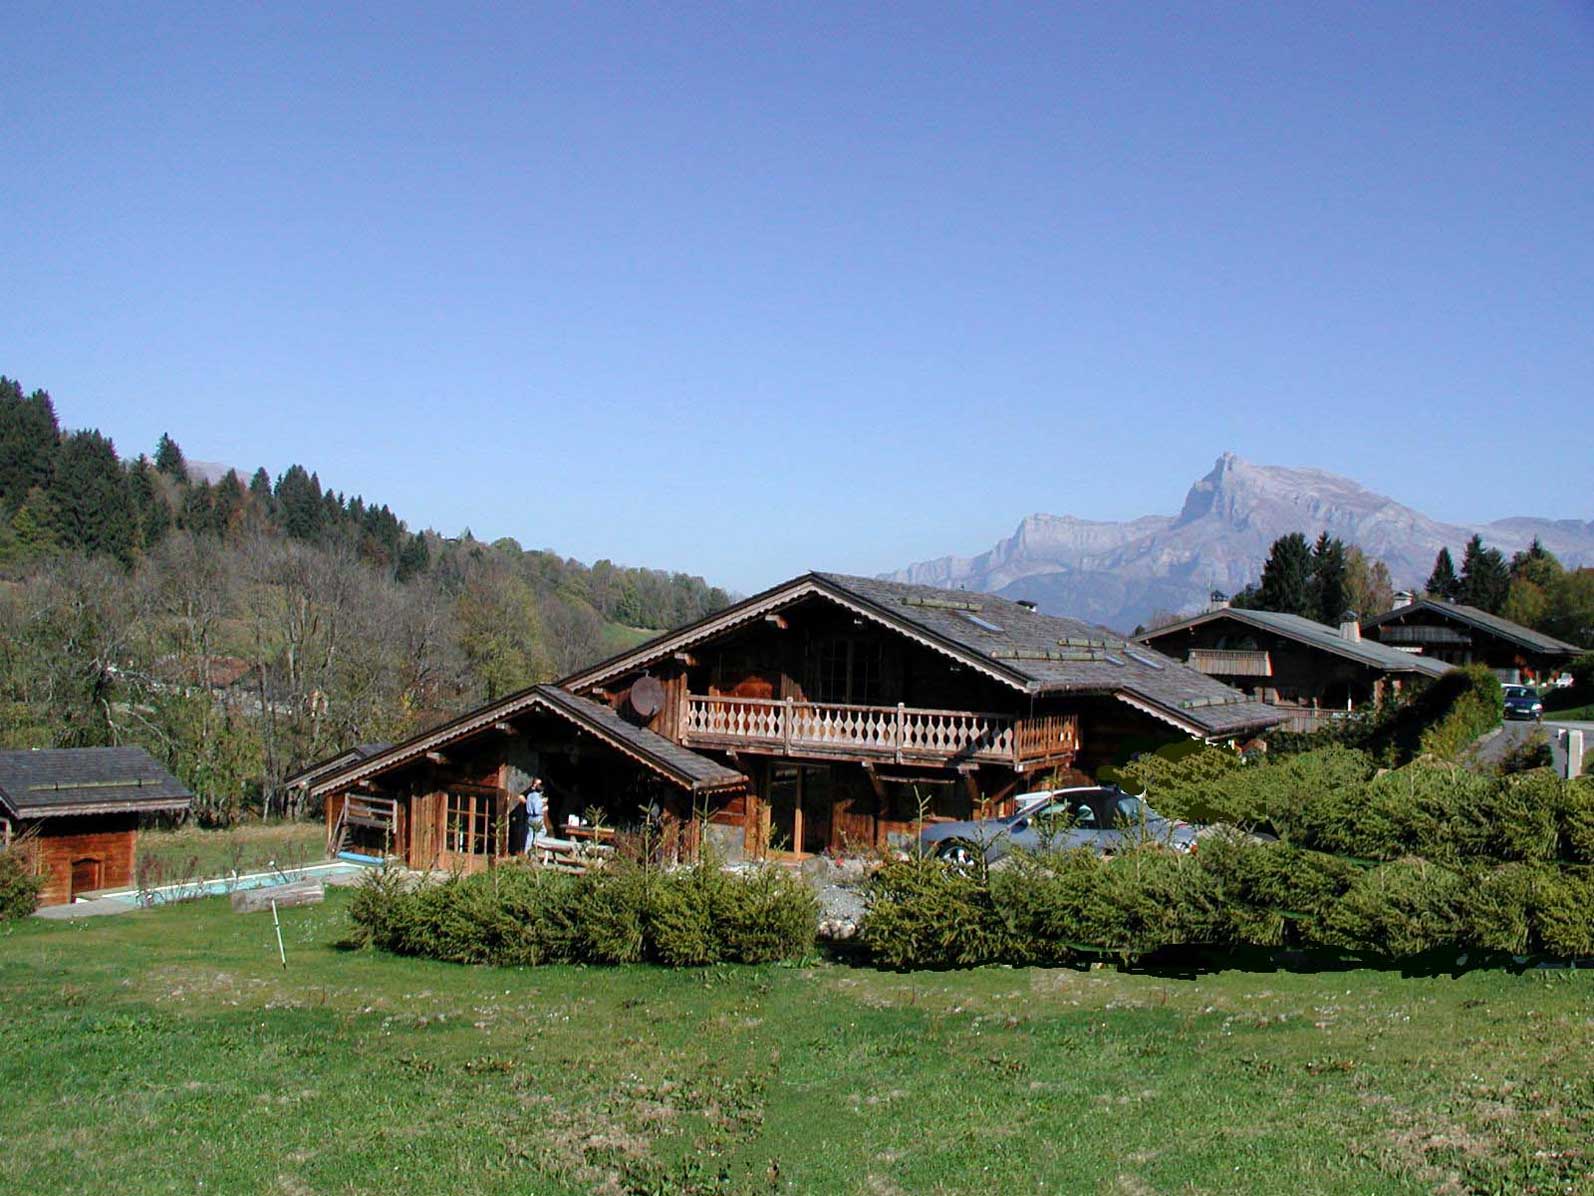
{"points": [[240, 631]]}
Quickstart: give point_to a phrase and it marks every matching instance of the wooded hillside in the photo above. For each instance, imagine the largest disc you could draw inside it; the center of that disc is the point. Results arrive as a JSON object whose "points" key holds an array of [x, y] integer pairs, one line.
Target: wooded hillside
{"points": [[241, 630]]}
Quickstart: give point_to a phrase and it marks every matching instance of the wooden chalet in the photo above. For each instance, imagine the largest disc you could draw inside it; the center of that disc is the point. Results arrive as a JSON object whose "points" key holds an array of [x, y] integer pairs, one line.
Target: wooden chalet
{"points": [[1459, 634], [1309, 670], [816, 716], [75, 811]]}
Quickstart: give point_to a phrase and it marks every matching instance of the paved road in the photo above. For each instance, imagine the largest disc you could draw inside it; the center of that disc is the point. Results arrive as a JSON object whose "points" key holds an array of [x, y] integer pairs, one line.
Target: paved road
{"points": [[1514, 734]]}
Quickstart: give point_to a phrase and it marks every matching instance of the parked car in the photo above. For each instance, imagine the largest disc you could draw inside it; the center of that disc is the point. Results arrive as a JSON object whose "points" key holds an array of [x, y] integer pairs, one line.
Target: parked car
{"points": [[1522, 702], [1100, 818]]}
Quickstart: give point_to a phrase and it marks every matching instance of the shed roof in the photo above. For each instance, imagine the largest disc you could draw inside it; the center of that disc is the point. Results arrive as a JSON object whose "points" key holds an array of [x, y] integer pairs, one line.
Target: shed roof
{"points": [[1482, 620], [1020, 647], [351, 755], [59, 782], [1314, 635], [675, 763]]}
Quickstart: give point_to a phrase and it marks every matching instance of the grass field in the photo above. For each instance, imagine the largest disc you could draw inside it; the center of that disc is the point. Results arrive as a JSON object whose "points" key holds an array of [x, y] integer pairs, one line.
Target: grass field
{"points": [[190, 852], [166, 1051]]}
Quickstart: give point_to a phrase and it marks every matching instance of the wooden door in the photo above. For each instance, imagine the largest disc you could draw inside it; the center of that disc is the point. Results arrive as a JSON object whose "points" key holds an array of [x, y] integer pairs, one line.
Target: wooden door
{"points": [[86, 875]]}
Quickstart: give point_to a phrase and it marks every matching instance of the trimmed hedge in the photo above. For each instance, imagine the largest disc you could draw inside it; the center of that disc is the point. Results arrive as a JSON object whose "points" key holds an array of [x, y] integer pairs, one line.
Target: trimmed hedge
{"points": [[1049, 908], [522, 915]]}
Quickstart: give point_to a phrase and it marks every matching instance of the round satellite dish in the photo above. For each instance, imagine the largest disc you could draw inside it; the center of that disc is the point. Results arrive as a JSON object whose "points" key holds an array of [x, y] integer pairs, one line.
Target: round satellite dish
{"points": [[647, 695]]}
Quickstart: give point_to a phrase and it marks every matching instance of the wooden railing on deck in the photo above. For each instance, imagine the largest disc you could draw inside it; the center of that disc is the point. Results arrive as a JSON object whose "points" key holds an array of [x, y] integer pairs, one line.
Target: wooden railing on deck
{"points": [[906, 734]]}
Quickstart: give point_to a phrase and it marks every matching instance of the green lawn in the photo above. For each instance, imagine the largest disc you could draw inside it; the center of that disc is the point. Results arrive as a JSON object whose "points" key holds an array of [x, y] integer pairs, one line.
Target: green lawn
{"points": [[190, 853], [165, 1051]]}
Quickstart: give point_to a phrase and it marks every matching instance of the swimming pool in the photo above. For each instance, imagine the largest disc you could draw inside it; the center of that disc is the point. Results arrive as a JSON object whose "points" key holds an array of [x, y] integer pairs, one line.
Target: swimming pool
{"points": [[189, 890]]}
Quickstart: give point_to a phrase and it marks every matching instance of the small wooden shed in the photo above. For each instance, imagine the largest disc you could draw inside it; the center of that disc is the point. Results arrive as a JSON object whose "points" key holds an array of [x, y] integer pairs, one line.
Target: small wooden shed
{"points": [[76, 811]]}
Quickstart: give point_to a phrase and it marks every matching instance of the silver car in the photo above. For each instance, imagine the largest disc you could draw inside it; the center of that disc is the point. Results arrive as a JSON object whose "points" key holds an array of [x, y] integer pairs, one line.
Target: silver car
{"points": [[1099, 818]]}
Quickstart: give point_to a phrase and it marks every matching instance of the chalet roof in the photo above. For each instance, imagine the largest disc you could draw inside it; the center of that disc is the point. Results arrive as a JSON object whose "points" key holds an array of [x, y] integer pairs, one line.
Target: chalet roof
{"points": [[310, 772], [1482, 620], [675, 763], [1023, 648], [59, 782], [1314, 635]]}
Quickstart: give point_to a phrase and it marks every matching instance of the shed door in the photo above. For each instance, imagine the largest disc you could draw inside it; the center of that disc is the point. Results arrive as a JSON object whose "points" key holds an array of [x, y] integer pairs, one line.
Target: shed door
{"points": [[85, 876]]}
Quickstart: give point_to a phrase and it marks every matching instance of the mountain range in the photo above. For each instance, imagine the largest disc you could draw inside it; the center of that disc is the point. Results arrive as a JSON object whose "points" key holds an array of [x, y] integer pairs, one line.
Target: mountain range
{"points": [[1119, 573]]}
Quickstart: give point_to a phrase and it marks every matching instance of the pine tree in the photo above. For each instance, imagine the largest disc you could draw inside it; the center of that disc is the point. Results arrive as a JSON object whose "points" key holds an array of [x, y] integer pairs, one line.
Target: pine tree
{"points": [[169, 459], [29, 436], [1330, 575], [299, 504], [1286, 577], [152, 515], [91, 500], [1442, 583], [1485, 579]]}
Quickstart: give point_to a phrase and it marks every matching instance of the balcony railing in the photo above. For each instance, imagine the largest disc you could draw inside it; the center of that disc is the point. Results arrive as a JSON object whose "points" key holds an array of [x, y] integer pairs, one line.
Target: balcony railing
{"points": [[906, 734], [1228, 662]]}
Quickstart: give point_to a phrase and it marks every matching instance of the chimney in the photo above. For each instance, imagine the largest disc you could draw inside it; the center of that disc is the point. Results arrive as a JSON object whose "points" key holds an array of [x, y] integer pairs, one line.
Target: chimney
{"points": [[1026, 604], [1217, 600], [1350, 627], [1402, 598]]}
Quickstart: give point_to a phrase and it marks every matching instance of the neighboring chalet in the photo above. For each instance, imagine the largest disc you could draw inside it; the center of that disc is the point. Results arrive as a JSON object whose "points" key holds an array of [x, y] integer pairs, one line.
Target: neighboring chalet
{"points": [[76, 812], [816, 716], [1459, 634], [1307, 669]]}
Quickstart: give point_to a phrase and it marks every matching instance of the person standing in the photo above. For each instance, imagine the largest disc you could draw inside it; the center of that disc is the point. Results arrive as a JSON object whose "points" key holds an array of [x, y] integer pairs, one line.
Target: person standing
{"points": [[536, 814]]}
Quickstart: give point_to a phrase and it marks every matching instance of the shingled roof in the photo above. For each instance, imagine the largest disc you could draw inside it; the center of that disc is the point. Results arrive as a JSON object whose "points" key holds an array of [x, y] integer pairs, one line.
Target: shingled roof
{"points": [[1471, 616], [1032, 652], [695, 773], [60, 782], [1313, 634]]}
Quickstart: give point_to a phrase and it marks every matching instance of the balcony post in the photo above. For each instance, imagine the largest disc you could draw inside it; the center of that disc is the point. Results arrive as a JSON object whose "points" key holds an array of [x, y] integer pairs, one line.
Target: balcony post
{"points": [[896, 730], [785, 726]]}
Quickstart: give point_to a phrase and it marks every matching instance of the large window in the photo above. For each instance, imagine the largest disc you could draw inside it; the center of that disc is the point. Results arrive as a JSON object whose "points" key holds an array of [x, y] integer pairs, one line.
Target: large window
{"points": [[848, 669], [470, 824]]}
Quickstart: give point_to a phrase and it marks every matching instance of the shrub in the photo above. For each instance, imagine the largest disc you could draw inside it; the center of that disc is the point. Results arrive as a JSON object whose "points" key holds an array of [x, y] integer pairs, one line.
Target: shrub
{"points": [[1214, 786], [1273, 894], [767, 914], [1563, 912], [920, 913], [1497, 907], [1398, 909], [625, 914], [1577, 820], [19, 887]]}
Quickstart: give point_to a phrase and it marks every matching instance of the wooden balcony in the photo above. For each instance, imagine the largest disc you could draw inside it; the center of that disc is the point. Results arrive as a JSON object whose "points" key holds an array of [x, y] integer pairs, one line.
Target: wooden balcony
{"points": [[1224, 662], [903, 734]]}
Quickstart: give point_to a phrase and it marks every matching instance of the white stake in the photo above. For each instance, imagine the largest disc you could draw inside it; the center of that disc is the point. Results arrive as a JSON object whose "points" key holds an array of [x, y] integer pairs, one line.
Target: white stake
{"points": [[281, 953]]}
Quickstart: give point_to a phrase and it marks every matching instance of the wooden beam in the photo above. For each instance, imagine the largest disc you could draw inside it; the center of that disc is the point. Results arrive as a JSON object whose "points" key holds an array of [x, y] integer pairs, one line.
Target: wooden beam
{"points": [[686, 659], [779, 622], [437, 757], [504, 728]]}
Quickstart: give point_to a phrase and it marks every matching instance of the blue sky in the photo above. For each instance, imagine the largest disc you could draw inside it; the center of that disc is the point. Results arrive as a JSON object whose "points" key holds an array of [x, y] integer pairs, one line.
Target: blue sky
{"points": [[750, 290]]}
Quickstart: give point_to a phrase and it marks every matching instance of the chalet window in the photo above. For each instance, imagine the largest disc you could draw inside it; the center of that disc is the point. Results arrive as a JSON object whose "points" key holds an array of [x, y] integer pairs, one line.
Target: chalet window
{"points": [[470, 824], [849, 670]]}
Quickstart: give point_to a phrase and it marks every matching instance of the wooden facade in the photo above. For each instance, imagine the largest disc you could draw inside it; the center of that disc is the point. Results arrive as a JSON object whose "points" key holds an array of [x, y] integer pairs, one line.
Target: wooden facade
{"points": [[828, 714], [1461, 635], [74, 813], [1308, 670], [77, 856]]}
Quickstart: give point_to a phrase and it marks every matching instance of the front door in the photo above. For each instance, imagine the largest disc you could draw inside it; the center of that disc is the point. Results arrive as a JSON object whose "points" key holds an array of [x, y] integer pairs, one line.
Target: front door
{"points": [[85, 876], [801, 802]]}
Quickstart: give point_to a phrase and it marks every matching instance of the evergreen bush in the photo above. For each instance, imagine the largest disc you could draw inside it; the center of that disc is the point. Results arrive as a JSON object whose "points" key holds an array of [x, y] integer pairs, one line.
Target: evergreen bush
{"points": [[523, 915], [1406, 907], [19, 887]]}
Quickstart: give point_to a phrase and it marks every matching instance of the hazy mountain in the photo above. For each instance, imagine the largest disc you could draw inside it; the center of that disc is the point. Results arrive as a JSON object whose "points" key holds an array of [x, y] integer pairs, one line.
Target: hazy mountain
{"points": [[1119, 573]]}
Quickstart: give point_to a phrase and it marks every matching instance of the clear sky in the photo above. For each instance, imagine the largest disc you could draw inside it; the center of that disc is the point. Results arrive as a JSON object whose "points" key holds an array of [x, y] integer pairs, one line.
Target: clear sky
{"points": [[748, 290]]}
